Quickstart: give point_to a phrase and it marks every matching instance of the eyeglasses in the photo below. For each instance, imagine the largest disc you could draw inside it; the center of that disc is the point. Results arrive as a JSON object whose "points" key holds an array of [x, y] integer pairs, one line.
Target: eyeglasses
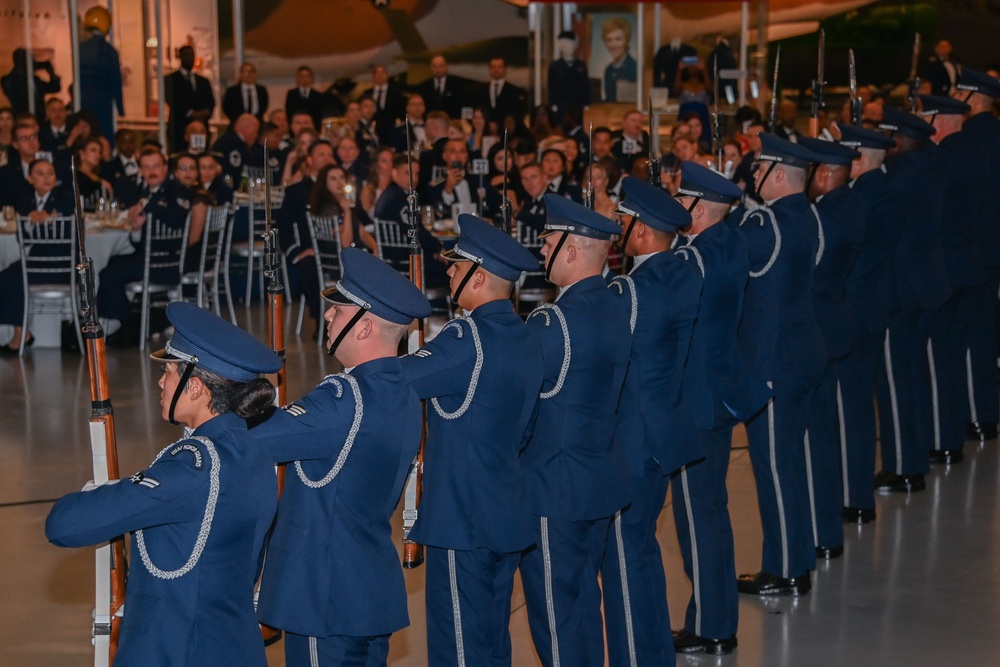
{"points": [[27, 137]]}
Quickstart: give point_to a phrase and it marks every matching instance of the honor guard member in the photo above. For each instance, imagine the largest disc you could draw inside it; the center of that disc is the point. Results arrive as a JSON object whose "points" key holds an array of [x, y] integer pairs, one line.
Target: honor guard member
{"points": [[577, 474], [869, 291], [966, 214], [920, 287], [661, 294], [840, 227], [200, 512], [718, 391], [979, 91], [333, 580], [782, 343], [482, 374]]}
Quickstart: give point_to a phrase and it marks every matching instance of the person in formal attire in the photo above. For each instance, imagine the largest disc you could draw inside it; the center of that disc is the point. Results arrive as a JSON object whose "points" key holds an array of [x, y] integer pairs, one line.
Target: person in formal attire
{"points": [[569, 83], [661, 295], [189, 96], [616, 33], [53, 133], [390, 105], [15, 83], [554, 166], [44, 200], [245, 96], [124, 161], [787, 117], [631, 142], [303, 97], [234, 145], [442, 92], [14, 183], [501, 98], [941, 71], [211, 179], [577, 474], [356, 165], [331, 197], [599, 183], [667, 61], [722, 58], [459, 186], [482, 374], [200, 513], [100, 71], [718, 391], [535, 184], [294, 231], [415, 109], [333, 580], [157, 196], [90, 185], [980, 91]]}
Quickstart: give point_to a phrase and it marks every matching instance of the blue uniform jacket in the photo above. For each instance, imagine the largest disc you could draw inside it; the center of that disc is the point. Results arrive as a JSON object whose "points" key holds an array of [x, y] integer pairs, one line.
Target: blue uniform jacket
{"points": [[575, 468], [966, 209], [332, 566], [206, 616], [662, 296], [294, 231], [778, 334], [475, 493], [234, 154], [984, 128], [841, 228], [719, 388], [921, 280], [170, 204]]}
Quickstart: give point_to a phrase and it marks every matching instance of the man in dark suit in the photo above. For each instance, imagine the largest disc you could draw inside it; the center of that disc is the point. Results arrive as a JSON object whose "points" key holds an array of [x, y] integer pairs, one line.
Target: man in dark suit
{"points": [[459, 186], [53, 133], [304, 97], [442, 92], [630, 143], [535, 185], [941, 71], [124, 162], [189, 96], [245, 96], [569, 83], [415, 109], [14, 184], [666, 62], [501, 98], [390, 105]]}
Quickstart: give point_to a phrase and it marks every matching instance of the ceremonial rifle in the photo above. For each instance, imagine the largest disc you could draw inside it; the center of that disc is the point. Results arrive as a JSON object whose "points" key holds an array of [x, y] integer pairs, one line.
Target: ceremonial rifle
{"points": [[774, 92], [413, 553], [505, 204], [914, 81], [855, 100], [717, 123], [588, 196], [654, 162], [275, 324], [111, 565], [817, 87]]}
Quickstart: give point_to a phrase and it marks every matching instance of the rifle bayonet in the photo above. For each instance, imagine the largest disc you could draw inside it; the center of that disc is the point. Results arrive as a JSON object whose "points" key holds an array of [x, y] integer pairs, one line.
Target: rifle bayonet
{"points": [[914, 81], [717, 123], [855, 100], [654, 162], [774, 91], [818, 103]]}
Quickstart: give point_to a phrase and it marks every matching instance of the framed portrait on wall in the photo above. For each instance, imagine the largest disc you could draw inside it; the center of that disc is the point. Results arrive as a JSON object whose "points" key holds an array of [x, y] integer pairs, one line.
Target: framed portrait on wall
{"points": [[613, 47]]}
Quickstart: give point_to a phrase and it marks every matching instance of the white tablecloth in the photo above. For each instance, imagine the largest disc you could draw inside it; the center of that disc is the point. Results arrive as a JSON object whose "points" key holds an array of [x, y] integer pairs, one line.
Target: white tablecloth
{"points": [[101, 245]]}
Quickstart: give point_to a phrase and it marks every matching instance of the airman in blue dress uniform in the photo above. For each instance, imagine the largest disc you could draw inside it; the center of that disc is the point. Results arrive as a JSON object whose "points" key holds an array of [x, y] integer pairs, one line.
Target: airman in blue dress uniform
{"points": [[841, 227], [782, 343], [200, 513], [482, 374], [333, 580], [576, 472], [719, 390], [869, 291], [920, 287], [965, 212], [661, 294], [979, 90]]}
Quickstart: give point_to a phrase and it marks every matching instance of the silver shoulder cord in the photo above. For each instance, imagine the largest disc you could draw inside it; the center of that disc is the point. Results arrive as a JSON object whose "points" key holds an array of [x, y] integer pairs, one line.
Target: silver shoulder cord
{"points": [[822, 239], [697, 257], [476, 370], [359, 413], [206, 522], [567, 348], [634, 314], [759, 212]]}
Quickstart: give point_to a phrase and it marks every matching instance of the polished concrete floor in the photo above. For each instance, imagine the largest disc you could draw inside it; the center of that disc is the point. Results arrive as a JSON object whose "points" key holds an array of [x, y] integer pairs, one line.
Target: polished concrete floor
{"points": [[919, 586]]}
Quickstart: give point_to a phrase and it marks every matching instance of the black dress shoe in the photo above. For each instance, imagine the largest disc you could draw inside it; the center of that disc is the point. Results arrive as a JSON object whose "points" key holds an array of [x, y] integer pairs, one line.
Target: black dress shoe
{"points": [[688, 642], [858, 515], [890, 481], [946, 456], [762, 583], [829, 553], [8, 351], [980, 430]]}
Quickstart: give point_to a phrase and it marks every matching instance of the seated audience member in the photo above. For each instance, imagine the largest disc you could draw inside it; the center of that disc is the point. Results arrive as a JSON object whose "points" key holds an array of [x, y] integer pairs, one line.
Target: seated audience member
{"points": [[91, 186]]}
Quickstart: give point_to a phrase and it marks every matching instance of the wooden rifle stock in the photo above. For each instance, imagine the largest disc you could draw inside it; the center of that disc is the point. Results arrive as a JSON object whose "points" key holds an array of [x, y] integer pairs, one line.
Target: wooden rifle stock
{"points": [[275, 328], [111, 566], [413, 553]]}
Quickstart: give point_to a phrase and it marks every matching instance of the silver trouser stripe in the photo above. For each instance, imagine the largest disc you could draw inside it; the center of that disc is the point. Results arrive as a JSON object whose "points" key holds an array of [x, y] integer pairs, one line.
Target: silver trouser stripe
{"points": [[693, 535], [812, 488], [972, 389], [623, 572], [550, 606], [456, 609], [894, 402], [777, 487], [843, 444], [934, 395], [313, 653]]}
